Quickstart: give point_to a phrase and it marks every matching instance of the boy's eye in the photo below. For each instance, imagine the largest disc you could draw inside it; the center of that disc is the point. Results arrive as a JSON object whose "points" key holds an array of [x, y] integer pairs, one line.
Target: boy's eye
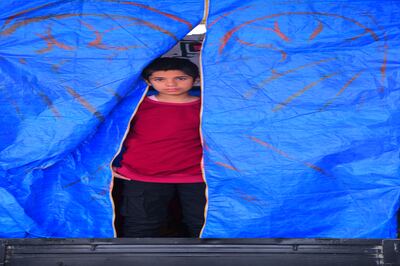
{"points": [[182, 78], [158, 79]]}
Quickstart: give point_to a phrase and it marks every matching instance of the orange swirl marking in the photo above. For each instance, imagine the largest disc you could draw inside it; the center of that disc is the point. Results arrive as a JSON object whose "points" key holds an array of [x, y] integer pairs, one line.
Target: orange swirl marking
{"points": [[356, 76], [51, 41], [10, 30], [23, 12], [384, 63], [278, 32], [225, 15], [276, 75], [269, 146], [158, 28], [300, 92], [284, 154], [187, 23], [316, 168], [12, 101], [171, 16], [246, 197], [227, 166], [205, 146], [98, 41], [317, 31], [56, 67], [268, 46], [50, 104], [225, 39], [115, 94], [85, 103], [120, 26], [360, 102], [356, 37]]}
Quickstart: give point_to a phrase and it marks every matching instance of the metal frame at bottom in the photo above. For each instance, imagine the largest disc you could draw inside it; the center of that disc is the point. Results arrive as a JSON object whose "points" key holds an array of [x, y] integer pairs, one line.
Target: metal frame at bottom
{"points": [[194, 252]]}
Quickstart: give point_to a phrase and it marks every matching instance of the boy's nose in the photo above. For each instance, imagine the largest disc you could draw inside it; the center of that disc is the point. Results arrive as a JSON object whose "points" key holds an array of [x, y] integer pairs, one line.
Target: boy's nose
{"points": [[171, 82]]}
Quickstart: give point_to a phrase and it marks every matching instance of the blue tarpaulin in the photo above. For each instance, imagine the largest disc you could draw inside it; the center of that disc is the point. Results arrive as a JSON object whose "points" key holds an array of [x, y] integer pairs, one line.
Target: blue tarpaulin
{"points": [[69, 84], [300, 118]]}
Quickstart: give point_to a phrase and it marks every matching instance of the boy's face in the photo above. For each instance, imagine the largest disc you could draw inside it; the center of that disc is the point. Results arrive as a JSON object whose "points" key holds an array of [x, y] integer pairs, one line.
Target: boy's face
{"points": [[171, 82]]}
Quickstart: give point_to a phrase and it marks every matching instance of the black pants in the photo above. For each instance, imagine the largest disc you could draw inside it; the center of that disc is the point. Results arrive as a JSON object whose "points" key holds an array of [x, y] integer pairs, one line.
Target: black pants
{"points": [[145, 205]]}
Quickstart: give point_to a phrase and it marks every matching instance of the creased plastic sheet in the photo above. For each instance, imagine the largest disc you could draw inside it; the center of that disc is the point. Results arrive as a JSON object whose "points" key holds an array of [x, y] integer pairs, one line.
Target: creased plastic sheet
{"points": [[300, 121], [68, 86], [301, 118]]}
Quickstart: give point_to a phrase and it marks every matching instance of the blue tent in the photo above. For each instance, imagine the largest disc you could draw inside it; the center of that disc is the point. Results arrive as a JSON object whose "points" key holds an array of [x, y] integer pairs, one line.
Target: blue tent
{"points": [[300, 118]]}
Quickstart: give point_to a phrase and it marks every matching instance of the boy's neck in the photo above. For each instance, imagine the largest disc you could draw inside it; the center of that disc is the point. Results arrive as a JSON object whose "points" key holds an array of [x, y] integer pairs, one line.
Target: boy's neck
{"points": [[176, 98]]}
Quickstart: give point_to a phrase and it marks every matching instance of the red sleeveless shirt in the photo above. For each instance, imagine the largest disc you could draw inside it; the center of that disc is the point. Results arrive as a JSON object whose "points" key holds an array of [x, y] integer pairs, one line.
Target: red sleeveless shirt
{"points": [[163, 144]]}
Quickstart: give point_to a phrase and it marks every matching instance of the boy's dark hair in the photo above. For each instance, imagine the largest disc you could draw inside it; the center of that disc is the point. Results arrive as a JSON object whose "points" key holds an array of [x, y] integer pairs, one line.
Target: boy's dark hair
{"points": [[171, 63]]}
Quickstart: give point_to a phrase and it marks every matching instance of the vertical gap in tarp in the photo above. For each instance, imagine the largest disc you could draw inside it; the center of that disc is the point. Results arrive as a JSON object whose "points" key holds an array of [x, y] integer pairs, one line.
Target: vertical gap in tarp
{"points": [[205, 17]]}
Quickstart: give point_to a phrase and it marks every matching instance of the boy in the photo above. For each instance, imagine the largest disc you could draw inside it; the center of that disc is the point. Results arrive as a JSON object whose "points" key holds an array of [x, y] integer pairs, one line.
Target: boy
{"points": [[163, 153]]}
